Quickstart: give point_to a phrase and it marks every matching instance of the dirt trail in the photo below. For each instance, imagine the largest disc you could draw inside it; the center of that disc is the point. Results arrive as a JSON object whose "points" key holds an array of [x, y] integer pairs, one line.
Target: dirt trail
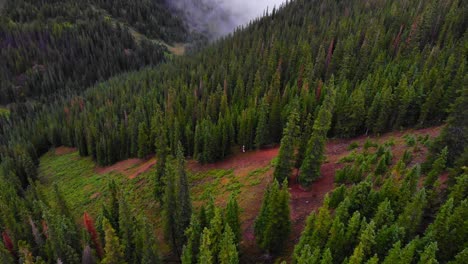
{"points": [[131, 168], [256, 159], [64, 150], [303, 202]]}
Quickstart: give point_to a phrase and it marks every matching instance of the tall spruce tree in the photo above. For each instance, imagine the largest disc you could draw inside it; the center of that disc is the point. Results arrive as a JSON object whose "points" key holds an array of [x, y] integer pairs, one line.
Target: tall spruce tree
{"points": [[232, 218], [228, 253], [113, 250], [177, 204], [310, 168], [262, 135], [287, 150], [273, 225], [206, 255]]}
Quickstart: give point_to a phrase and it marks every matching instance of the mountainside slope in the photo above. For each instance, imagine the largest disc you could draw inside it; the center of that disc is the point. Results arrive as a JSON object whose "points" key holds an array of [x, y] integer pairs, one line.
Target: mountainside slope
{"points": [[62, 46], [303, 73]]}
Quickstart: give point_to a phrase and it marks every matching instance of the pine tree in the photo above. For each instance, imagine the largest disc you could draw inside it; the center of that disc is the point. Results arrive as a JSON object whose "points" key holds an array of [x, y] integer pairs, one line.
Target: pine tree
{"points": [[113, 251], [160, 135], [454, 136], [286, 153], [262, 132], [216, 233], [206, 256], [143, 140], [126, 228], [262, 219], [411, 217], [193, 234], [183, 200], [428, 256], [437, 168], [171, 223], [111, 212], [186, 255], [177, 204], [307, 131], [273, 225], [308, 257], [60, 202], [232, 218], [327, 257], [310, 168], [461, 257], [146, 250], [228, 253]]}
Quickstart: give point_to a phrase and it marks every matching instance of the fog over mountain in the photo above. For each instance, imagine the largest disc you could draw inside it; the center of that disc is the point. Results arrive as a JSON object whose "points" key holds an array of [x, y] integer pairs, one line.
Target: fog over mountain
{"points": [[216, 18]]}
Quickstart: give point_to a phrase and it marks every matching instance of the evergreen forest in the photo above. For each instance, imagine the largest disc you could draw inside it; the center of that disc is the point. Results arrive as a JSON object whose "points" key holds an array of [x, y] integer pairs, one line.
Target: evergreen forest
{"points": [[99, 77]]}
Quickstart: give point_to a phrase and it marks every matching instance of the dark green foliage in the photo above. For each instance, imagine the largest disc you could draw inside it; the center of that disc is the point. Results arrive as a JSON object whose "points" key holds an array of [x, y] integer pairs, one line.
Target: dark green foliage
{"points": [[206, 256], [310, 168], [57, 47], [232, 216], [144, 145], [437, 168], [113, 250], [286, 153], [396, 64], [177, 204], [228, 251], [273, 224], [262, 136], [454, 135]]}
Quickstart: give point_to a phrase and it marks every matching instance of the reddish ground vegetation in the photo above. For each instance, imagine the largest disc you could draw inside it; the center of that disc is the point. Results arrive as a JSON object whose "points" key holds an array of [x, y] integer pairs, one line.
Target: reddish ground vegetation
{"points": [[120, 167], [89, 224], [303, 202], [142, 168], [130, 167], [256, 159], [64, 150], [8, 243]]}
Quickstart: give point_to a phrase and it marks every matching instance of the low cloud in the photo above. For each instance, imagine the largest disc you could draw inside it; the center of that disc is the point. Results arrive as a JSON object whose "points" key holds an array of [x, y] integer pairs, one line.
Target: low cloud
{"points": [[216, 18]]}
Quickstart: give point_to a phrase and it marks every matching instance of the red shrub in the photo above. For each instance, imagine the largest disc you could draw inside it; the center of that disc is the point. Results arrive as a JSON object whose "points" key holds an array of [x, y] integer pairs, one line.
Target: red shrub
{"points": [[89, 225]]}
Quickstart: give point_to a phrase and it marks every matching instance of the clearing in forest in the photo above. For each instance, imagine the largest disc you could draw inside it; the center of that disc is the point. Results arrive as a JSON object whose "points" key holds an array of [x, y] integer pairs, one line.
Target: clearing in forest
{"points": [[246, 175]]}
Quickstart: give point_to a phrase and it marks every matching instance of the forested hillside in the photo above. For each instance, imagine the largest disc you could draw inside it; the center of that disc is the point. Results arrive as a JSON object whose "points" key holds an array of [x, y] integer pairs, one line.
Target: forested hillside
{"points": [[63, 46], [303, 73]]}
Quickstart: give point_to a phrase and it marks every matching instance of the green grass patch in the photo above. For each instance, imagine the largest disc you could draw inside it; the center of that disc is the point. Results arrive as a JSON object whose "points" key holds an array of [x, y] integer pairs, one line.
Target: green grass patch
{"points": [[85, 190]]}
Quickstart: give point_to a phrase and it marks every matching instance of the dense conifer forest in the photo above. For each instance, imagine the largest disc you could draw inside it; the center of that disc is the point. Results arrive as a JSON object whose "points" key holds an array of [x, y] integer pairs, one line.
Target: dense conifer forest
{"points": [[51, 46], [303, 73]]}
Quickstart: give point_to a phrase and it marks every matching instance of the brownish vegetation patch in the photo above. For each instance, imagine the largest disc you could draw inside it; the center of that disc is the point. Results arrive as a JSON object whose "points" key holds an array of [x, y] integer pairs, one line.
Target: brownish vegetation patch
{"points": [[64, 150]]}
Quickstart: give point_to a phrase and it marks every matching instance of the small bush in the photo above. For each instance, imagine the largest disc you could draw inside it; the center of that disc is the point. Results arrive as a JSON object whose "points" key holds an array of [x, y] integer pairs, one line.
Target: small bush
{"points": [[337, 196], [410, 140], [353, 146], [382, 167], [407, 157], [350, 158], [370, 144], [390, 142]]}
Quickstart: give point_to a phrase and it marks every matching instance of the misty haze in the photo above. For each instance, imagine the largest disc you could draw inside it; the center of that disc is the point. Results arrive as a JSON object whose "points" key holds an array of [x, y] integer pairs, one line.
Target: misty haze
{"points": [[220, 17]]}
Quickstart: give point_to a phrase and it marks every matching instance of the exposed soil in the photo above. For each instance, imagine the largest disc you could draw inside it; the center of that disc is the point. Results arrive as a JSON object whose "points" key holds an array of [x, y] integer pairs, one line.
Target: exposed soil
{"points": [[242, 161], [303, 202], [143, 168], [120, 167], [130, 167], [64, 150]]}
